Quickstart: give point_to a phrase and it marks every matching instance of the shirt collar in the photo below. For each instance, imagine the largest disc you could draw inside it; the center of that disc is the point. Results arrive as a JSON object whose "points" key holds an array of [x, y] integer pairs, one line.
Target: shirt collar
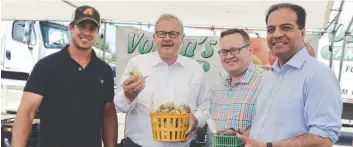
{"points": [[296, 61], [156, 59], [65, 52], [245, 78]]}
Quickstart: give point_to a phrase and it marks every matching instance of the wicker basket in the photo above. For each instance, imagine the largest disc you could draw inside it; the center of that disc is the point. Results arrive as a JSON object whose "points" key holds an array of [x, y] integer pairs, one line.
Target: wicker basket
{"points": [[169, 127], [226, 141]]}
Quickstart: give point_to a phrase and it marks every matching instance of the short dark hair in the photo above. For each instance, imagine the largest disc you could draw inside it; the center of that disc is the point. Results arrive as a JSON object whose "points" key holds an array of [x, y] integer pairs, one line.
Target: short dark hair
{"points": [[234, 31], [300, 11]]}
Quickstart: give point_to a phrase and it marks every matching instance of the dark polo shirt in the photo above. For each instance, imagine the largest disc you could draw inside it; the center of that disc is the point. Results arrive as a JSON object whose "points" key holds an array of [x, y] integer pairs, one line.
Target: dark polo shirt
{"points": [[72, 108]]}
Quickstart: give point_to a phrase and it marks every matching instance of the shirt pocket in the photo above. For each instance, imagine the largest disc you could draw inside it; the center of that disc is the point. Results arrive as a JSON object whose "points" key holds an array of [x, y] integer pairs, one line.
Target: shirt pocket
{"points": [[190, 94]]}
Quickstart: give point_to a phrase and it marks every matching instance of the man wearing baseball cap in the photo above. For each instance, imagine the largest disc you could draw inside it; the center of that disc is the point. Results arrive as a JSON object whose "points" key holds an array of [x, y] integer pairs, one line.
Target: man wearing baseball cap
{"points": [[86, 13], [73, 90]]}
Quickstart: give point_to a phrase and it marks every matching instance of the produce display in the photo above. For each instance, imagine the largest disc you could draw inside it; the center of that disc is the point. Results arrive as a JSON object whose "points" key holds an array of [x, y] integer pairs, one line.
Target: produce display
{"points": [[172, 108], [170, 122], [227, 138]]}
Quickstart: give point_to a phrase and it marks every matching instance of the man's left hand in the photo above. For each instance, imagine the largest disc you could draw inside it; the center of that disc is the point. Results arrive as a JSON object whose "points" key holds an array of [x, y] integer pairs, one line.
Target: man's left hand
{"points": [[250, 142], [192, 126]]}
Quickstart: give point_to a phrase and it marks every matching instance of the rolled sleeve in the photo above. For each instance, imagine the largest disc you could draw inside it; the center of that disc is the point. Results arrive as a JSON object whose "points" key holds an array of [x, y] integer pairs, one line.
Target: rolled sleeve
{"points": [[37, 81], [323, 107], [200, 119], [325, 133], [109, 86], [122, 103]]}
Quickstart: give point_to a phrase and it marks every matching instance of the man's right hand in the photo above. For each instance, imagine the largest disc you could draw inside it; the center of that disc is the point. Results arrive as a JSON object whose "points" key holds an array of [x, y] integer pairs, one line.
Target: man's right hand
{"points": [[229, 131], [133, 86]]}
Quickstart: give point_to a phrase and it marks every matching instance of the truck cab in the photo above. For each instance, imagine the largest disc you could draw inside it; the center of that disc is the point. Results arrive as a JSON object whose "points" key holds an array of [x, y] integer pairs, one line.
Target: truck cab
{"points": [[23, 43]]}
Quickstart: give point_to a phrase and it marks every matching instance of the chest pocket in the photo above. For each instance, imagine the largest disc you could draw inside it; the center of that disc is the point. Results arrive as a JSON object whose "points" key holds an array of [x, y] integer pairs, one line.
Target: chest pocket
{"points": [[191, 93]]}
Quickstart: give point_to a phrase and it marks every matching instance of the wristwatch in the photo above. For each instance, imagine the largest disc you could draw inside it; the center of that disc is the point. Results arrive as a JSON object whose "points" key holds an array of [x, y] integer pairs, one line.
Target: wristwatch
{"points": [[269, 144]]}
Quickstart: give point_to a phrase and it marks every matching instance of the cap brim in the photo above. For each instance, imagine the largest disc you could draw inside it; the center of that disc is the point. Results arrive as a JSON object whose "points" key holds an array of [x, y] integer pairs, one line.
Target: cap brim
{"points": [[86, 18]]}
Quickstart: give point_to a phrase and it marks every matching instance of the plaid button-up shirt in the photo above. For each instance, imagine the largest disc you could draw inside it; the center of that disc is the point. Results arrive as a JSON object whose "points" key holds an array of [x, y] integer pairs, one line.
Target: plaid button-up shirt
{"points": [[233, 104]]}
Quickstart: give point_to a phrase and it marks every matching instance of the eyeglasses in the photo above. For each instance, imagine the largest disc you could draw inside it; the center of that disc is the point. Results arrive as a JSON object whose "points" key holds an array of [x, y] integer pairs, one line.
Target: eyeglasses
{"points": [[163, 34], [233, 51]]}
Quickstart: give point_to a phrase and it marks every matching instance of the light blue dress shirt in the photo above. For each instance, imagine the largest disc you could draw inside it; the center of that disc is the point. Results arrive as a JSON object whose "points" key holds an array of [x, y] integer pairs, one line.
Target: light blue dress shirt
{"points": [[303, 96]]}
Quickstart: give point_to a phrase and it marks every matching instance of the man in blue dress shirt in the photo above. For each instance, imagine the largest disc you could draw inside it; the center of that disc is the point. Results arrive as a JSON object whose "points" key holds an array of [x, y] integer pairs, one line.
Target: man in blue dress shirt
{"points": [[299, 103]]}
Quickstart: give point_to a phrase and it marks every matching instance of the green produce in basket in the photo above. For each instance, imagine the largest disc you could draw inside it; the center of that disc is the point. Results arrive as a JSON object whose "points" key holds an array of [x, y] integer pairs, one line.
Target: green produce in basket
{"points": [[161, 107], [172, 108], [170, 105], [165, 111], [174, 112], [169, 123]]}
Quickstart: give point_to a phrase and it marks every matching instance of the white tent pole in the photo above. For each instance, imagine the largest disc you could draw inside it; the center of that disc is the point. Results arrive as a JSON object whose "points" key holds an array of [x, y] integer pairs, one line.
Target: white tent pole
{"points": [[213, 31], [69, 3], [334, 33], [347, 33], [329, 25]]}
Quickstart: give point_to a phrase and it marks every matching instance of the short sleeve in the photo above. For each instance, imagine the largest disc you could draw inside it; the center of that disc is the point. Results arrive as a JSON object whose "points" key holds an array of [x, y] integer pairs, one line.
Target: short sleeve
{"points": [[109, 86], [36, 82], [323, 107]]}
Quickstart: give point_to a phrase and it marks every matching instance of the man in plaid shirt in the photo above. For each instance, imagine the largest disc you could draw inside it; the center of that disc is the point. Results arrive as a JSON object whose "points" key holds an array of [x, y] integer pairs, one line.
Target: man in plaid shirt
{"points": [[233, 104]]}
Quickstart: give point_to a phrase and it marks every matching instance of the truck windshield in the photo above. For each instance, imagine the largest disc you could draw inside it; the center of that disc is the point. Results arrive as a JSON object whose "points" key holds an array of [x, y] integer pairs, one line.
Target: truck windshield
{"points": [[54, 35]]}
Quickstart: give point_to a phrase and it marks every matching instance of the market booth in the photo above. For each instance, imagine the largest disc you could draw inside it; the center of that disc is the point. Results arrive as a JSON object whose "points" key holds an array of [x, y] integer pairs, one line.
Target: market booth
{"points": [[198, 14]]}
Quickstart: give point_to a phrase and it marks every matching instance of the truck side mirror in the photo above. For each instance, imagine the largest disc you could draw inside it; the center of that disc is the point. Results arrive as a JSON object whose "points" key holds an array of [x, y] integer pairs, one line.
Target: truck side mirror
{"points": [[27, 32]]}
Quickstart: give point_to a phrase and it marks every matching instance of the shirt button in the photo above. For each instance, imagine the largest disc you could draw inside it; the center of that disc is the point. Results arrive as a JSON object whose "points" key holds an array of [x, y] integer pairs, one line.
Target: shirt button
{"points": [[80, 69]]}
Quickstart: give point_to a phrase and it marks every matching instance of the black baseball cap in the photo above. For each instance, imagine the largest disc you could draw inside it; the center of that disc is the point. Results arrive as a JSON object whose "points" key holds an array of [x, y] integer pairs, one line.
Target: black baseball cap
{"points": [[85, 13]]}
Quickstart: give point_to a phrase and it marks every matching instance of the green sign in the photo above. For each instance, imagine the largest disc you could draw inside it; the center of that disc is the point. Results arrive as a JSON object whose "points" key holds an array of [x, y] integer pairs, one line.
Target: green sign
{"points": [[144, 44], [340, 32], [337, 51]]}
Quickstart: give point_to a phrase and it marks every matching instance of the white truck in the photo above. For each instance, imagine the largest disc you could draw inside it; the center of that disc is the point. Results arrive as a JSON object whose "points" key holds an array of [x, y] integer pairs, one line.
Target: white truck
{"points": [[22, 44]]}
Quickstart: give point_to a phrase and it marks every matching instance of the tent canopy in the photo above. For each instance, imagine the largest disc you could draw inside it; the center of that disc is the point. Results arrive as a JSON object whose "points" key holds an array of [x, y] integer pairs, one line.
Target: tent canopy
{"points": [[250, 14]]}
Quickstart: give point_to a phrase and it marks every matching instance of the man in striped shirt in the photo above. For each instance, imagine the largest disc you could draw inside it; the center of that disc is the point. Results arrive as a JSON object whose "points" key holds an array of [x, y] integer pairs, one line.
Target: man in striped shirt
{"points": [[232, 107]]}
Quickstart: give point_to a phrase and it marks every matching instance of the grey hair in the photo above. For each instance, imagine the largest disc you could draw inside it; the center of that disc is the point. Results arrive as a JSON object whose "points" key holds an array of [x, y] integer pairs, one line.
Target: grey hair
{"points": [[170, 16]]}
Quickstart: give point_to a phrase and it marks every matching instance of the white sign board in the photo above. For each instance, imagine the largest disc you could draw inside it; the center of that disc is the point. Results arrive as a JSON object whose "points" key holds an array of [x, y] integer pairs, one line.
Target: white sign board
{"points": [[347, 66], [132, 42]]}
